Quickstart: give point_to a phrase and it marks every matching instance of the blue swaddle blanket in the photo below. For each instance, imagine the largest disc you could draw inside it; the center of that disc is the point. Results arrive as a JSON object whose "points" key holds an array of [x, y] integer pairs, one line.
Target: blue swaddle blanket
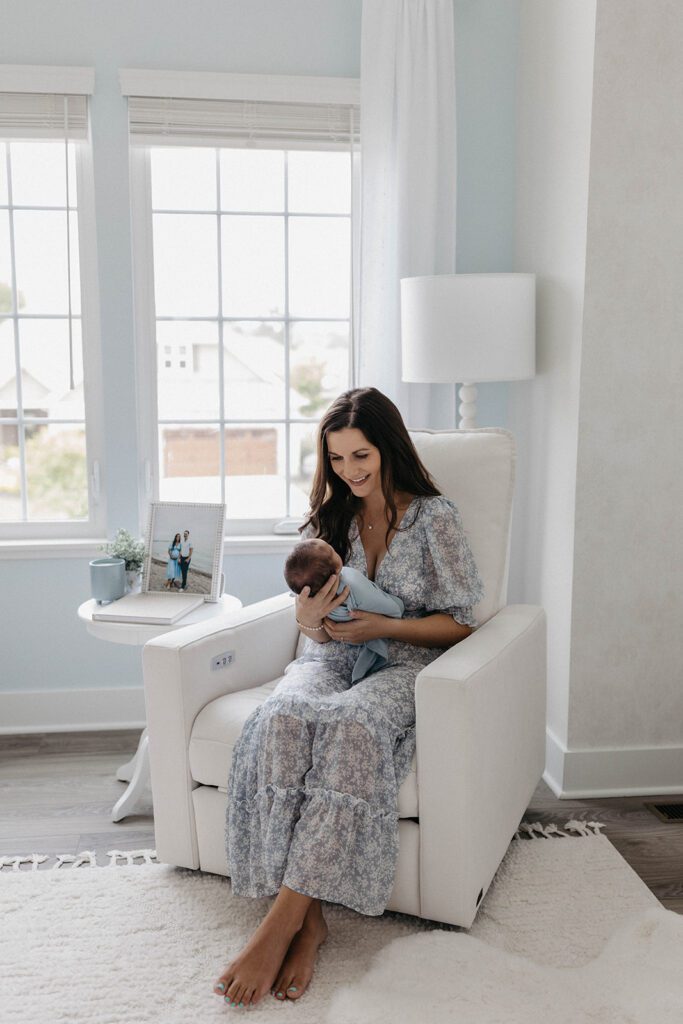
{"points": [[367, 597]]}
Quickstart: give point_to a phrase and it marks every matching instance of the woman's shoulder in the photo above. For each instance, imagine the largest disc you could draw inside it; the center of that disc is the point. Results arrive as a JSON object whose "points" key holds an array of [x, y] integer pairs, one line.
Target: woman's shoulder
{"points": [[434, 506]]}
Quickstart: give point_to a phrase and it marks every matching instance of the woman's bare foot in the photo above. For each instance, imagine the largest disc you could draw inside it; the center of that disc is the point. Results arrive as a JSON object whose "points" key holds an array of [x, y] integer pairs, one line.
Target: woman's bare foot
{"points": [[252, 973], [297, 967]]}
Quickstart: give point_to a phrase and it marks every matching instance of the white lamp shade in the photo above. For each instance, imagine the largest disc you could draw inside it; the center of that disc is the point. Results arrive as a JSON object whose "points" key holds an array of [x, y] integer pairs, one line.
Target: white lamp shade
{"points": [[459, 328]]}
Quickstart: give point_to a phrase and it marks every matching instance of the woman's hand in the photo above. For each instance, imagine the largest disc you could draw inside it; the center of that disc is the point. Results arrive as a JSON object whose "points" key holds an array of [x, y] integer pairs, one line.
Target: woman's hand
{"points": [[312, 610], [363, 626]]}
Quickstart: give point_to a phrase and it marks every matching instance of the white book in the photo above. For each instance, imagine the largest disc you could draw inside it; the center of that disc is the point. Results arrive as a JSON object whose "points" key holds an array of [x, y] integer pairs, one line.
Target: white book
{"points": [[156, 608]]}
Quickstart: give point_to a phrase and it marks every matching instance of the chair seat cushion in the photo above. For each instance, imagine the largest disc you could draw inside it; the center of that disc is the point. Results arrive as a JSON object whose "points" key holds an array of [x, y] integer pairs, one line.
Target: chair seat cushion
{"points": [[218, 726]]}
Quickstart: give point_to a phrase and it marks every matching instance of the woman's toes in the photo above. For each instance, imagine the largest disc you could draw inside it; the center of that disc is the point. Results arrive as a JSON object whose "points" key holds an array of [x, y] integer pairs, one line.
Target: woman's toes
{"points": [[295, 989], [233, 992], [278, 987], [222, 985]]}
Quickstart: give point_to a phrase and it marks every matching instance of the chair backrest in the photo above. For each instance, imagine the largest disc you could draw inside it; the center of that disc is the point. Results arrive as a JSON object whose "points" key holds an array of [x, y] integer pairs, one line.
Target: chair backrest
{"points": [[476, 470]]}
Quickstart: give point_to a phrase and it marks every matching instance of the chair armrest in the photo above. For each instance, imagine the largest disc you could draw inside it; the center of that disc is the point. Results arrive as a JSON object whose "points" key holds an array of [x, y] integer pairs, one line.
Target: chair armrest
{"points": [[480, 722], [179, 682]]}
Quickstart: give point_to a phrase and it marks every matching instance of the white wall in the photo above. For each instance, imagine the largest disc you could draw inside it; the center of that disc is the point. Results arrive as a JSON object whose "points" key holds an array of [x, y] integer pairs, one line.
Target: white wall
{"points": [[601, 428], [553, 150], [627, 612]]}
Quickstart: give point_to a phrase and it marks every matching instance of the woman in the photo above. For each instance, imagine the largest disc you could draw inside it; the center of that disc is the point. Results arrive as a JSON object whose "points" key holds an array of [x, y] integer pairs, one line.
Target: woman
{"points": [[173, 564], [313, 788]]}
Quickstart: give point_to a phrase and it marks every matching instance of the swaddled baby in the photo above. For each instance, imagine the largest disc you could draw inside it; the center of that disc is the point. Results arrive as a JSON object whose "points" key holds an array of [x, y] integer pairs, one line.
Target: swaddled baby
{"points": [[311, 564]]}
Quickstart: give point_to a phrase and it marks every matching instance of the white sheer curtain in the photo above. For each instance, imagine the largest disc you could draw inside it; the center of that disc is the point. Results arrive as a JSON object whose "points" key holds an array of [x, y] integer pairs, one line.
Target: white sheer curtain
{"points": [[408, 185]]}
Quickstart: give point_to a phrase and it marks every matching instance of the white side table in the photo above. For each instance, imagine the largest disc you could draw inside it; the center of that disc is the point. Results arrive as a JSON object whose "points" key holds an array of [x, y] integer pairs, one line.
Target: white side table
{"points": [[136, 771]]}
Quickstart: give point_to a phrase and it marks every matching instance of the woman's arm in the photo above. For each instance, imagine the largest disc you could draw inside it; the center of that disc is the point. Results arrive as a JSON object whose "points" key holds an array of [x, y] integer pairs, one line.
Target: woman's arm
{"points": [[322, 637], [436, 630], [317, 607]]}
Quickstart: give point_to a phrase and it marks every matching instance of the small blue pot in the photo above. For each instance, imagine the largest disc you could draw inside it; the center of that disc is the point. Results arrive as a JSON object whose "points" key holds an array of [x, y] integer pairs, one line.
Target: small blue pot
{"points": [[107, 578]]}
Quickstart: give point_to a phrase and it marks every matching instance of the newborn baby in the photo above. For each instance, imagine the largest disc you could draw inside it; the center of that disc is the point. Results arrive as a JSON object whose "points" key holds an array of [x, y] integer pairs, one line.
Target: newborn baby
{"points": [[311, 564]]}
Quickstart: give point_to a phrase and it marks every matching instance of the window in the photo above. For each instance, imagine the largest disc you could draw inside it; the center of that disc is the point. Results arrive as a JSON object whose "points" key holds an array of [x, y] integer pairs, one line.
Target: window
{"points": [[249, 254], [48, 440]]}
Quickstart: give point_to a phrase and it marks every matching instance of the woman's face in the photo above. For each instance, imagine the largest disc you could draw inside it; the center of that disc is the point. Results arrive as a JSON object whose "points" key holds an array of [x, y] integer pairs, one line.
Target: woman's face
{"points": [[355, 460]]}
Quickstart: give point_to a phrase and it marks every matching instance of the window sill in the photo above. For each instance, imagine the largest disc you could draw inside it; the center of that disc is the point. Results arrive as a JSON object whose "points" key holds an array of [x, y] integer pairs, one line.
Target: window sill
{"points": [[52, 547], [259, 543], [234, 544]]}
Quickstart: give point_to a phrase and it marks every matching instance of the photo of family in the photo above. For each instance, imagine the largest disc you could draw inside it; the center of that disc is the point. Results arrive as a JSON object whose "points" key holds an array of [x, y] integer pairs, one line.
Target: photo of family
{"points": [[179, 557], [184, 548]]}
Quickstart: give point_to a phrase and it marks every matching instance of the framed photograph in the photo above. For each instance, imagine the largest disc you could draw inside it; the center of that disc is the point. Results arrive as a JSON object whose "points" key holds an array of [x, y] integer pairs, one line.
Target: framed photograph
{"points": [[184, 546]]}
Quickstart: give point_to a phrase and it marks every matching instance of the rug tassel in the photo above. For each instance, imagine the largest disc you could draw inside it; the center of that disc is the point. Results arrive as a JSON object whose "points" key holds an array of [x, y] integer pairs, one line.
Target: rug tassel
{"points": [[130, 855], [34, 860], [75, 860], [85, 857], [584, 828]]}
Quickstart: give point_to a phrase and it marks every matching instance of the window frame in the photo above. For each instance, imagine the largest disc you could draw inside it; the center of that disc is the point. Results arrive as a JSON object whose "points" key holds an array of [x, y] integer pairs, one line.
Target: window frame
{"points": [[38, 534], [277, 530]]}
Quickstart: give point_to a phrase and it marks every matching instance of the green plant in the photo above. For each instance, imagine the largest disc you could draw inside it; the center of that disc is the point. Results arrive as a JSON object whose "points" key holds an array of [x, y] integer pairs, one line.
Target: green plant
{"points": [[56, 469], [127, 547]]}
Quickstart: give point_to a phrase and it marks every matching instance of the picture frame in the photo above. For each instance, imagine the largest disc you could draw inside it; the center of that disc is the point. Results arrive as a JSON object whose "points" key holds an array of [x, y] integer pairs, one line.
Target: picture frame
{"points": [[184, 548]]}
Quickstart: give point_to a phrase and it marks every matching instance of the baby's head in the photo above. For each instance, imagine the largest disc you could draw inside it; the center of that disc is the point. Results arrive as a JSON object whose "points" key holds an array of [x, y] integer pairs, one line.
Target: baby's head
{"points": [[311, 564]]}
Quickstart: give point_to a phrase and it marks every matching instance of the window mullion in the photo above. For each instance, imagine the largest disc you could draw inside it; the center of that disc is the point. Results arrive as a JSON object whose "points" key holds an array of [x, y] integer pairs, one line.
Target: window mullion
{"points": [[68, 244], [17, 351], [221, 379], [353, 369], [286, 333]]}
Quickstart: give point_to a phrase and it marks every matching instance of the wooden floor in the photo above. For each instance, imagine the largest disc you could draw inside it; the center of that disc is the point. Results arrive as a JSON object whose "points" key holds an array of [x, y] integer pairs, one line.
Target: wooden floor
{"points": [[57, 791]]}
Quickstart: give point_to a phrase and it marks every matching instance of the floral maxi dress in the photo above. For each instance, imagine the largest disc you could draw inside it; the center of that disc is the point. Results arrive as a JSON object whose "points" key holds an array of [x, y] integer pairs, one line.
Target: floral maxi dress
{"points": [[313, 785]]}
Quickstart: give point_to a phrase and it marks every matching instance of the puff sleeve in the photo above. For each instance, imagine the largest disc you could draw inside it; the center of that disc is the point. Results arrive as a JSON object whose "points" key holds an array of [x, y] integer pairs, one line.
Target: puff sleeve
{"points": [[452, 581]]}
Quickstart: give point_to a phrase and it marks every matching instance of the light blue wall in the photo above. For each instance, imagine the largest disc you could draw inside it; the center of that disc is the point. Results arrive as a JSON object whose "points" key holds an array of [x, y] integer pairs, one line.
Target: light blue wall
{"points": [[45, 646]]}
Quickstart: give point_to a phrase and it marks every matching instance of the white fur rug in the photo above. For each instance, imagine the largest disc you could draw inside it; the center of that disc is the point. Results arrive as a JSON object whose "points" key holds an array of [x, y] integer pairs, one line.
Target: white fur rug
{"points": [[566, 933]]}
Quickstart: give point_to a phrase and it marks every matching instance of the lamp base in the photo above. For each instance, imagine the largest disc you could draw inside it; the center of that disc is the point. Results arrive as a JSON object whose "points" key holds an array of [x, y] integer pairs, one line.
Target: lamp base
{"points": [[468, 407]]}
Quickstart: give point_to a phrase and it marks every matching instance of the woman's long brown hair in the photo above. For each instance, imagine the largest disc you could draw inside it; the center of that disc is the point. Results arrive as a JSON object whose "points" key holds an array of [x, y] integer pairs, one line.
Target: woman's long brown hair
{"points": [[333, 504]]}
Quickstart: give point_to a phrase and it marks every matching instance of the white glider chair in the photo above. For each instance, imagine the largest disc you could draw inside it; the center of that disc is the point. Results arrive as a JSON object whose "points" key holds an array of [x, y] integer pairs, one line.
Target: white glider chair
{"points": [[480, 709]]}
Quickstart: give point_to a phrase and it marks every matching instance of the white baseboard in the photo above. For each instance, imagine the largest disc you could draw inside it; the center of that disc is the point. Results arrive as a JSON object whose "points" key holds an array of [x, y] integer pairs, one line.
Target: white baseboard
{"points": [[26, 711], [620, 771]]}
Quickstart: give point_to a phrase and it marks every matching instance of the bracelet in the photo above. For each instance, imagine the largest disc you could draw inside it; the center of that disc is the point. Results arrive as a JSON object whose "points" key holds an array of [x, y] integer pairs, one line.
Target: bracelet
{"points": [[316, 629]]}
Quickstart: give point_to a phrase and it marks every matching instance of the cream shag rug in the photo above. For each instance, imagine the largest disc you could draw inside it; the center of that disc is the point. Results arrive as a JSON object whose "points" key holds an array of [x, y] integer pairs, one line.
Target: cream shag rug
{"points": [[566, 933]]}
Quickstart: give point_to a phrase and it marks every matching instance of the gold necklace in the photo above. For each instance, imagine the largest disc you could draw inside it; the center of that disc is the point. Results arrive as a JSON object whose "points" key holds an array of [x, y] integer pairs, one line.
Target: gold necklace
{"points": [[370, 525]]}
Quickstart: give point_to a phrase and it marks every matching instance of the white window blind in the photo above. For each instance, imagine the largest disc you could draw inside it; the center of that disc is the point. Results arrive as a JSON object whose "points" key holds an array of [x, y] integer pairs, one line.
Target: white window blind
{"points": [[44, 102], [262, 124], [35, 115], [196, 108]]}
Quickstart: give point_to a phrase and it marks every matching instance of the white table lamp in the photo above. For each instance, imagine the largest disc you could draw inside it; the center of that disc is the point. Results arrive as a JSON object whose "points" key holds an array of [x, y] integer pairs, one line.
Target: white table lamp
{"points": [[467, 328]]}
